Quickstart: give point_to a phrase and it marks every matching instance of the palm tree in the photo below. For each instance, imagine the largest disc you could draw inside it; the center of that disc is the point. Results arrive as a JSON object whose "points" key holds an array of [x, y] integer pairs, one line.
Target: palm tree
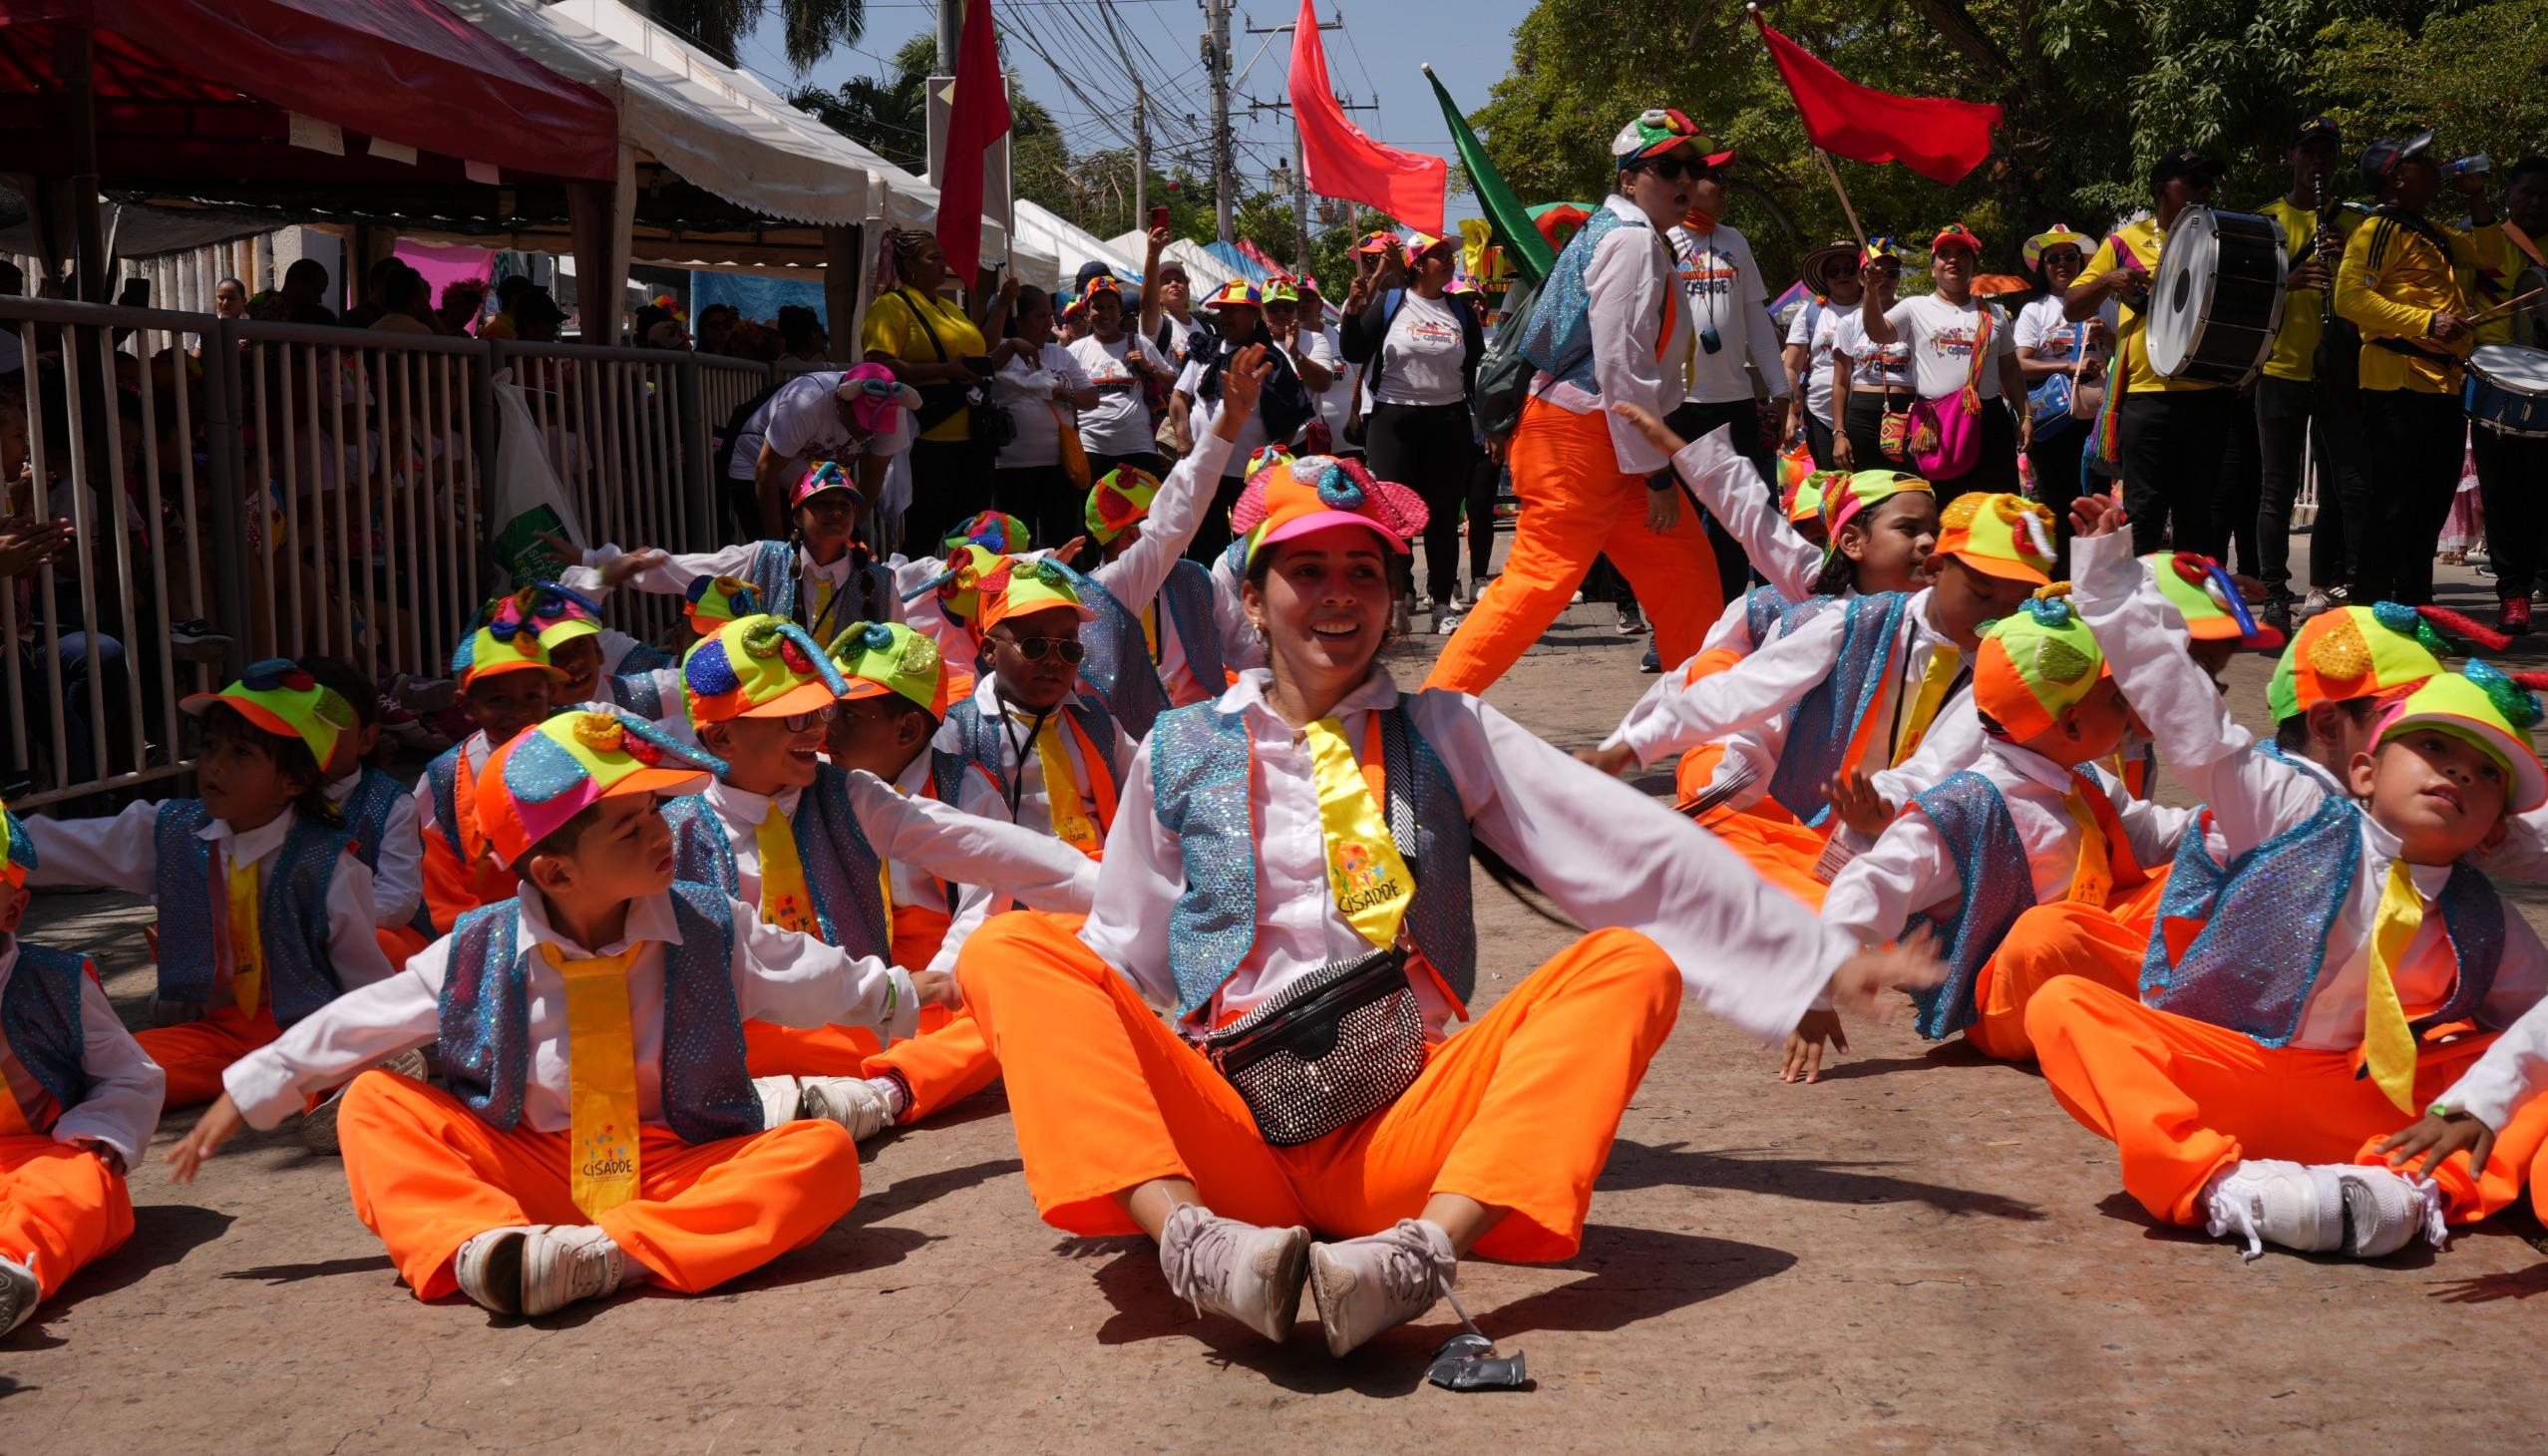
{"points": [[812, 27], [889, 114]]}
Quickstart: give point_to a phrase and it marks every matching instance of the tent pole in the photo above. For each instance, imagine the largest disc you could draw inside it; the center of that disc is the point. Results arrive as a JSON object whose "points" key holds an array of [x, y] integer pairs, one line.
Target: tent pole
{"points": [[79, 58]]}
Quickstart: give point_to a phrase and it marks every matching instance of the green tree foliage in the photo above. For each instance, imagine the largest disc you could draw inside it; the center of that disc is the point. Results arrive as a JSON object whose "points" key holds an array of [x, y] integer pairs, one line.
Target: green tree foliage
{"points": [[2092, 91], [811, 28], [889, 116]]}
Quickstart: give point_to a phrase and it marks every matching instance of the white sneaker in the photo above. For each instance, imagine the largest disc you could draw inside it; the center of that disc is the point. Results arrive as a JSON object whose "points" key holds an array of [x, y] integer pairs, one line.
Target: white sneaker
{"points": [[1379, 1281], [19, 1291], [1249, 1273], [566, 1262], [782, 1099], [860, 1106], [318, 1128], [2331, 1207], [1445, 624], [2384, 1210], [488, 1267], [2317, 601]]}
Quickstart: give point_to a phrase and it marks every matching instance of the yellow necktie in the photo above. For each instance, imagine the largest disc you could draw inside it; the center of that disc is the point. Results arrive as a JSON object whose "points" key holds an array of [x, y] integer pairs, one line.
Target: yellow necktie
{"points": [[601, 1080], [2092, 882], [247, 949], [785, 901], [1943, 663], [1150, 628], [823, 589], [1365, 872], [1061, 790], [2388, 1042]]}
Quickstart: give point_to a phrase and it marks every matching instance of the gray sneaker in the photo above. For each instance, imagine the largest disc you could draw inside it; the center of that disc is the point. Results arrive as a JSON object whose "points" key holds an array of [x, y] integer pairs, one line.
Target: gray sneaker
{"points": [[488, 1267], [1252, 1275], [562, 1263], [857, 1104], [19, 1291], [1379, 1281]]}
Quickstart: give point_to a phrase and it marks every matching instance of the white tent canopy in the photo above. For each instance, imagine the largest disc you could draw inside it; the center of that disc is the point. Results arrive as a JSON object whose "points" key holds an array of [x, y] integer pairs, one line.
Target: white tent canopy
{"points": [[1070, 245]]}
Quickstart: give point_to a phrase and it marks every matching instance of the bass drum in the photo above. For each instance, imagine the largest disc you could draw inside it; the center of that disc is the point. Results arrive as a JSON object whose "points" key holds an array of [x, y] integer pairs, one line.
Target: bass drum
{"points": [[2507, 389], [2216, 300]]}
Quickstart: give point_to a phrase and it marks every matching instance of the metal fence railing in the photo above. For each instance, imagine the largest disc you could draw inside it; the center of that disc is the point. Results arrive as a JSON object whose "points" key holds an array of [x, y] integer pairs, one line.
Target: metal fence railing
{"points": [[240, 490]]}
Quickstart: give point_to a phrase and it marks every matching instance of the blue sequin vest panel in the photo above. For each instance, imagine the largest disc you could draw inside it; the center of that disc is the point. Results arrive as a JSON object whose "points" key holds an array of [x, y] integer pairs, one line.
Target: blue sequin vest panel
{"points": [[486, 1019], [366, 812], [442, 777], [1826, 719], [1117, 669], [983, 746], [639, 693], [831, 847], [1763, 608], [300, 968], [1187, 597], [39, 1016], [1999, 886], [1558, 339]]}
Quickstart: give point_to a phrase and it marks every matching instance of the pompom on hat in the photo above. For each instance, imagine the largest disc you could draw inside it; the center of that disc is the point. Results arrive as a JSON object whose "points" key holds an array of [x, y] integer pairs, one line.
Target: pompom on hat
{"points": [[2035, 664], [1316, 492], [1658, 130], [17, 847], [1000, 534], [560, 614], [279, 696], [715, 600], [1266, 455], [1121, 497], [1016, 588], [877, 658], [1236, 293], [2367, 652], [823, 476], [543, 777], [873, 395], [2202, 591], [757, 667], [2486, 707], [501, 639], [1998, 535]]}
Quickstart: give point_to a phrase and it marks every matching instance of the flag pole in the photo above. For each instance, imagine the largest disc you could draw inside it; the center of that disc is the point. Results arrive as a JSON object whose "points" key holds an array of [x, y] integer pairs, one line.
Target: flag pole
{"points": [[1846, 210]]}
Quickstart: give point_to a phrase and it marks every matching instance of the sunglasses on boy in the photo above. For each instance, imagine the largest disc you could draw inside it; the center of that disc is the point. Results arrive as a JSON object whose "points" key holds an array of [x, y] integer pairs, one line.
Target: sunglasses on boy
{"points": [[1673, 168], [799, 722], [1034, 649]]}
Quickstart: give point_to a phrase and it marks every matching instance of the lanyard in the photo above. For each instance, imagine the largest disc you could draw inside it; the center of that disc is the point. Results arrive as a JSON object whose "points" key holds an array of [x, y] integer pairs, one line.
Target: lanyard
{"points": [[1013, 783]]}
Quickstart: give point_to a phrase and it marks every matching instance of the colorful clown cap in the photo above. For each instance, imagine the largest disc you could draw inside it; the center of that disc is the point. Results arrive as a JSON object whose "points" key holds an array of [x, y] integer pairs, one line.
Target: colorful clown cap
{"points": [[2366, 652], [2202, 592], [1998, 535], [716, 601], [277, 695], [876, 658], [1460, 283], [1656, 130], [1805, 496], [1102, 283], [545, 776], [1958, 235], [1847, 494], [2035, 663], [1121, 497], [1002, 536], [17, 847], [499, 639], [821, 476], [1280, 290], [1316, 492], [873, 395], [558, 613], [1880, 247], [1266, 455], [1015, 588], [2059, 234], [1380, 240], [959, 590], [1234, 293], [757, 667], [1420, 242], [2485, 707]]}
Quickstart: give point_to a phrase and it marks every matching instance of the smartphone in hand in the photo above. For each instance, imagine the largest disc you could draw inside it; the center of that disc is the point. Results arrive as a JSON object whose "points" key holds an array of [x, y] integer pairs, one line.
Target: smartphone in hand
{"points": [[1158, 218]]}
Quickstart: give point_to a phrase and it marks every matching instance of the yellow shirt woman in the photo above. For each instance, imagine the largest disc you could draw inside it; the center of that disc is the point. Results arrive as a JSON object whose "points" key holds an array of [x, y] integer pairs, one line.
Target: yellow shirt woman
{"points": [[903, 324]]}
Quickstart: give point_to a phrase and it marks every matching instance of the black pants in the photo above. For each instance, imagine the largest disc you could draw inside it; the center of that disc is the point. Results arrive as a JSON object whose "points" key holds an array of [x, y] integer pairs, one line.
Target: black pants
{"points": [[1864, 424], [1430, 450], [2055, 461], [2347, 501], [2240, 492], [2172, 445], [2512, 483], [1694, 421], [1213, 536], [2416, 441], [1043, 496], [1995, 464], [951, 481], [2288, 418], [1484, 479], [1818, 441]]}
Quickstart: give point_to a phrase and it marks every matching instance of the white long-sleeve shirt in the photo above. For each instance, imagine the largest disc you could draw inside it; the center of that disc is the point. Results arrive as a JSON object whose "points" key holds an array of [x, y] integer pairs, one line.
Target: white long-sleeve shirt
{"points": [[816, 581], [981, 796], [398, 881], [1911, 868], [1134, 574], [2509, 1075], [1743, 504], [122, 854], [2253, 798], [126, 1088], [779, 976], [1632, 285], [1723, 285], [1760, 692], [1606, 854], [996, 867]]}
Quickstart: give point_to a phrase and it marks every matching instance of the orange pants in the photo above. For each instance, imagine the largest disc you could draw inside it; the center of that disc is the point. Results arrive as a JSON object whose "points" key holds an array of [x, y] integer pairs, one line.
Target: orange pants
{"points": [[2184, 1099], [947, 1062], [1784, 853], [1517, 1112], [2049, 940], [195, 1054], [428, 1174], [60, 1208], [1577, 505], [399, 943]]}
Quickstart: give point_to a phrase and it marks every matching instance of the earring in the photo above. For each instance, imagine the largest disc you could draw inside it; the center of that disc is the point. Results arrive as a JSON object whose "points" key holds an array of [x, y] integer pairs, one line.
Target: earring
{"points": [[1255, 630]]}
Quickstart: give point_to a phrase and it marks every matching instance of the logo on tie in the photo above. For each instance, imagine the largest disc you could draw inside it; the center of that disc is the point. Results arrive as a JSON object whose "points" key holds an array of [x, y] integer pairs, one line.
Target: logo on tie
{"points": [[1361, 880]]}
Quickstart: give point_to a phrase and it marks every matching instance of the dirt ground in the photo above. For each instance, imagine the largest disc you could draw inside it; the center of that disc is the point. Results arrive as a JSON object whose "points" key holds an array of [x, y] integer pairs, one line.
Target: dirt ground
{"points": [[1922, 1250]]}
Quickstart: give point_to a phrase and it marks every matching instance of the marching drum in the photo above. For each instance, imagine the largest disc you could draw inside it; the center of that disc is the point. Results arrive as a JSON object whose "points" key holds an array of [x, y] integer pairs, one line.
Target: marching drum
{"points": [[2507, 389], [2216, 300]]}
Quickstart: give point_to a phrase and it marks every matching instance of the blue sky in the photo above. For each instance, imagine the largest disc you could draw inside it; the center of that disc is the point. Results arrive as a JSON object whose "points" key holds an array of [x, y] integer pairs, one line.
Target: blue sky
{"points": [[1378, 53]]}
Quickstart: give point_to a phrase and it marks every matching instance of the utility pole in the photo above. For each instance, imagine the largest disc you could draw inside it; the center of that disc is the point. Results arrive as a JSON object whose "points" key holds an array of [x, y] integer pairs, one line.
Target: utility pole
{"points": [[1300, 152], [1216, 56], [950, 33], [1141, 157]]}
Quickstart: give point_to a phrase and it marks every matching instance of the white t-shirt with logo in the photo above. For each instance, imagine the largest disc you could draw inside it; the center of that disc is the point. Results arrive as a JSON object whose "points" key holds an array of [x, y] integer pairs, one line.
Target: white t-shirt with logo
{"points": [[1814, 326], [1204, 417], [1420, 360], [1336, 404], [2054, 338], [1721, 288], [1120, 421], [1871, 367], [1027, 394], [1942, 338]]}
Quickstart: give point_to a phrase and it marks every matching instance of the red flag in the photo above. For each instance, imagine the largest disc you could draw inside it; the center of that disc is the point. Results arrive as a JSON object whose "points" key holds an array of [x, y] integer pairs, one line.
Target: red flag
{"points": [[1338, 161], [978, 116], [1939, 139]]}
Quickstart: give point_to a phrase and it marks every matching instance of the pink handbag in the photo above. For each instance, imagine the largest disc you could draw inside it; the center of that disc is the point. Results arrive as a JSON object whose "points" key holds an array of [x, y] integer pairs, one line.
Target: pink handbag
{"points": [[1946, 433]]}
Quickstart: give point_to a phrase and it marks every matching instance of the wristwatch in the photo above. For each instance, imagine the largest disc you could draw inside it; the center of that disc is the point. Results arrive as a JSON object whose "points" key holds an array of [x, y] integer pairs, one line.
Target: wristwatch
{"points": [[1660, 480]]}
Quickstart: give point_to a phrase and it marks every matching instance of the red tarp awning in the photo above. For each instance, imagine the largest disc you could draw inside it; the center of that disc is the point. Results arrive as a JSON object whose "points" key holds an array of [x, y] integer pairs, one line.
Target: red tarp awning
{"points": [[206, 87]]}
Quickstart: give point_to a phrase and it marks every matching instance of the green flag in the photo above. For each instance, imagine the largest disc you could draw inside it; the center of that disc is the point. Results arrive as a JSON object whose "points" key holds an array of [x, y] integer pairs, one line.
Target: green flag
{"points": [[1523, 246]]}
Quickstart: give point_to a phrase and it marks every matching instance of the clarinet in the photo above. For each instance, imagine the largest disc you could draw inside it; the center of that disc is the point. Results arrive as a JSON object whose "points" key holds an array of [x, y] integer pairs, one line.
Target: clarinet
{"points": [[2318, 248]]}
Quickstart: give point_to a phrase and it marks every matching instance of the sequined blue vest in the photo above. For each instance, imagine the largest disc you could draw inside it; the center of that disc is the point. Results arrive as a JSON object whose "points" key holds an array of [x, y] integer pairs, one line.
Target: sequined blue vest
{"points": [[486, 1019], [1998, 884], [1827, 718], [1188, 599], [1557, 340], [1763, 608], [640, 693], [775, 574], [366, 813], [839, 867], [1199, 764], [981, 742], [39, 1016], [1117, 670], [291, 919], [442, 777], [643, 658], [2261, 927]]}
